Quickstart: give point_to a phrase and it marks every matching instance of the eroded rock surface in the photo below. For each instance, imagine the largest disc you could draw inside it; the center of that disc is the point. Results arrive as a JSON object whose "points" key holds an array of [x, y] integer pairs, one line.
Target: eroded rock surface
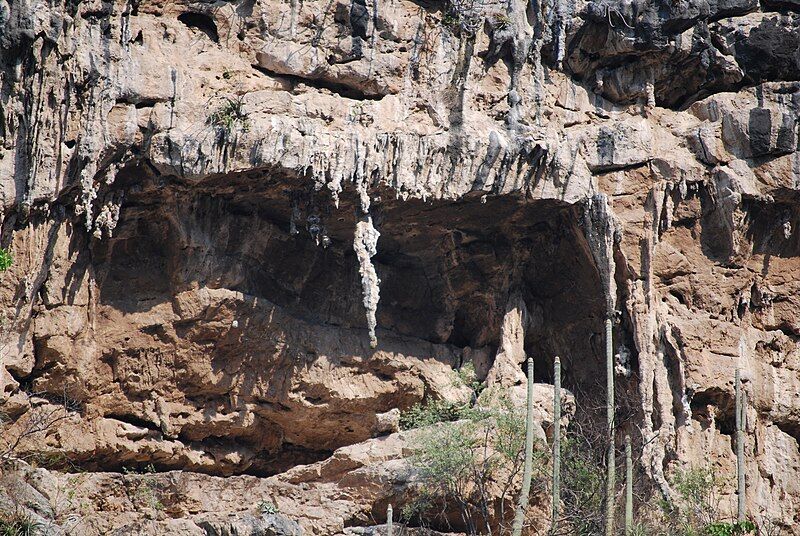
{"points": [[349, 489], [181, 185]]}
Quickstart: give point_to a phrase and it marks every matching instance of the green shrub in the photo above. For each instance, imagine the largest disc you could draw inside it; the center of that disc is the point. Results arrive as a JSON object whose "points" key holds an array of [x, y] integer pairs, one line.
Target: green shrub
{"points": [[694, 510], [420, 415], [467, 377], [730, 529], [458, 464], [433, 411], [501, 21], [229, 118], [639, 529], [147, 469], [267, 508], [18, 524], [697, 503], [146, 493], [583, 483], [6, 260], [451, 20]]}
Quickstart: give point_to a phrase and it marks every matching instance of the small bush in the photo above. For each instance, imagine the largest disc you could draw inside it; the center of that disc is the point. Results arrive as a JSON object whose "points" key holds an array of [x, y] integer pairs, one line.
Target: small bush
{"points": [[473, 468], [639, 529], [267, 508], [462, 17], [146, 494], [697, 502], [6, 260], [147, 469], [583, 480], [694, 510], [51, 460], [451, 20], [468, 377], [501, 21], [730, 529], [18, 524], [229, 118], [420, 415]]}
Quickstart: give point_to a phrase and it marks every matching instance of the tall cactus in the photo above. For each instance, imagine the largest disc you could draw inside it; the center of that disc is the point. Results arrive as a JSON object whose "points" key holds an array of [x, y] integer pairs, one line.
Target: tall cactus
{"points": [[740, 417], [556, 443], [389, 520], [611, 477], [628, 487], [522, 502], [602, 233]]}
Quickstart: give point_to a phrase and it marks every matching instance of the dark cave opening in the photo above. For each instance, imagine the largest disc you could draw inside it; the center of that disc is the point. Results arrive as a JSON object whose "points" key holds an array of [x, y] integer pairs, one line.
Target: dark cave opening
{"points": [[447, 268], [715, 407], [202, 23]]}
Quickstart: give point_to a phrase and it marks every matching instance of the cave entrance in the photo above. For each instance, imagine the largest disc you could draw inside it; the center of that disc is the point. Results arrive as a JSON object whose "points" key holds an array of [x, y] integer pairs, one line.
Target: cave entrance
{"points": [[447, 269], [470, 255]]}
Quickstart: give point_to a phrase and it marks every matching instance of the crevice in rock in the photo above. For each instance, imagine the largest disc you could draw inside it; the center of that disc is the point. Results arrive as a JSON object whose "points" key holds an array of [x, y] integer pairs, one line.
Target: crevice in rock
{"points": [[133, 420], [289, 457], [791, 428], [342, 90], [714, 406], [777, 6], [601, 170], [97, 13], [137, 102], [202, 23]]}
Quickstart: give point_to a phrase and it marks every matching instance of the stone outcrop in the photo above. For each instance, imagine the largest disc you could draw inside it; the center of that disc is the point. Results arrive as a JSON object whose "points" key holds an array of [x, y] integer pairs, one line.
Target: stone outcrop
{"points": [[192, 193], [349, 489]]}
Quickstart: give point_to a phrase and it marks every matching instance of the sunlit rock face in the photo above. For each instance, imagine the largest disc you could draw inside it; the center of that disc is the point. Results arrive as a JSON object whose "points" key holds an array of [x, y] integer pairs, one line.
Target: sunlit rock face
{"points": [[246, 233]]}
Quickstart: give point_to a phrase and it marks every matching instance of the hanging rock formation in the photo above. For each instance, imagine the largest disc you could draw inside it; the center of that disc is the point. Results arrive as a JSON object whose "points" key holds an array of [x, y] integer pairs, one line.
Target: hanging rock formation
{"points": [[365, 244]]}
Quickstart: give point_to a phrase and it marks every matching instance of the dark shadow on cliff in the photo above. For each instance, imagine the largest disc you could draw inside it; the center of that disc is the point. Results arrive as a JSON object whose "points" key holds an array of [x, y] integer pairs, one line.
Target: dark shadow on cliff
{"points": [[261, 276]]}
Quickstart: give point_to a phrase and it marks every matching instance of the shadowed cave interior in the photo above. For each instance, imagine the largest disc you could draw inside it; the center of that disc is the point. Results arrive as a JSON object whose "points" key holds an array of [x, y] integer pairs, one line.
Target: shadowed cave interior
{"points": [[446, 271]]}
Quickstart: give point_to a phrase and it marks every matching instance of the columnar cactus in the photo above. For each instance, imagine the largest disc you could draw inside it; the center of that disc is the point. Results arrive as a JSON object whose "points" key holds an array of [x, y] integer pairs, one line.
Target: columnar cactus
{"points": [[740, 417], [522, 502], [556, 442], [610, 458], [628, 487], [389, 520], [602, 233]]}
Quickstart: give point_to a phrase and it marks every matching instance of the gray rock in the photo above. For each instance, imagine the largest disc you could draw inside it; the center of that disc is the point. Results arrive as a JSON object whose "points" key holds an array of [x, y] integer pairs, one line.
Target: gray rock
{"points": [[249, 525]]}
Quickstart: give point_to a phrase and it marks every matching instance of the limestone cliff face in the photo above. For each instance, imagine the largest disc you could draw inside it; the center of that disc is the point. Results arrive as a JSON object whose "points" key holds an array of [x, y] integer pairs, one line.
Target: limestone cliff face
{"points": [[246, 232]]}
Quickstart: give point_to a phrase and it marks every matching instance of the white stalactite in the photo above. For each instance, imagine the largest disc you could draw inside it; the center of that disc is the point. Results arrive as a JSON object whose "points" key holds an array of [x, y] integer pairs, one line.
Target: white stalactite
{"points": [[365, 245], [654, 387], [106, 220]]}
